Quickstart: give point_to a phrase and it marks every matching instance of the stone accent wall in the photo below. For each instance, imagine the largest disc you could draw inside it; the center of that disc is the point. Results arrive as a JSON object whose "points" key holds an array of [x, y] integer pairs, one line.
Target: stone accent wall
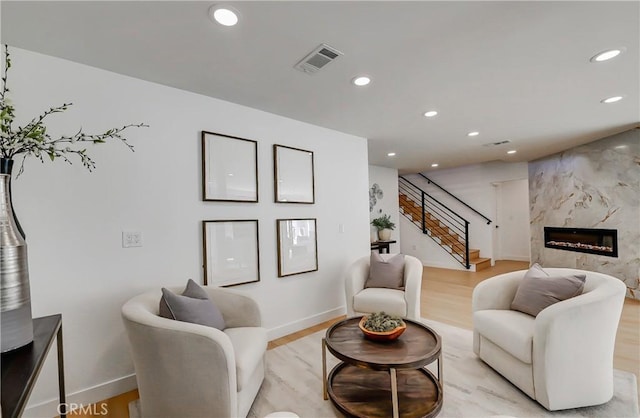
{"points": [[596, 185]]}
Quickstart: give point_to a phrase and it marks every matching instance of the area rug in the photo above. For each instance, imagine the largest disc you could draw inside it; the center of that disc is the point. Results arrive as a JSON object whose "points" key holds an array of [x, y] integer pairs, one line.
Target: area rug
{"points": [[472, 389]]}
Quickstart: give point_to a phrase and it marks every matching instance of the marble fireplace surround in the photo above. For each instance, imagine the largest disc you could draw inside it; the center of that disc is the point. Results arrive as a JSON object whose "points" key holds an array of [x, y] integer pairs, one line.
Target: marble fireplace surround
{"points": [[596, 185]]}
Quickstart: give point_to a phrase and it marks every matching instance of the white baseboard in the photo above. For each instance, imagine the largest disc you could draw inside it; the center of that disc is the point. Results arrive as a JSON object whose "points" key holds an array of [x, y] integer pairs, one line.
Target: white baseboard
{"points": [[515, 258], [450, 266], [84, 397], [300, 324]]}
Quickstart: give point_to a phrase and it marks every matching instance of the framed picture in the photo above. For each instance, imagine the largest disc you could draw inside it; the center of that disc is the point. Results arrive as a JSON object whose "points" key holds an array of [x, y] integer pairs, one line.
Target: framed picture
{"points": [[293, 175], [229, 168], [297, 246], [231, 254]]}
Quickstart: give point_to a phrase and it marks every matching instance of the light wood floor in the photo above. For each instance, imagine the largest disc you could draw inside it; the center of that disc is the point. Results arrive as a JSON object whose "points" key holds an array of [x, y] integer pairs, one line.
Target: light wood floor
{"points": [[446, 297]]}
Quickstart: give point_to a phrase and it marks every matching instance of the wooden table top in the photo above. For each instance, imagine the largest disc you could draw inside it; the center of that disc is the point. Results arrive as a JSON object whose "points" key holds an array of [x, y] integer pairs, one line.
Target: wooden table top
{"points": [[418, 346]]}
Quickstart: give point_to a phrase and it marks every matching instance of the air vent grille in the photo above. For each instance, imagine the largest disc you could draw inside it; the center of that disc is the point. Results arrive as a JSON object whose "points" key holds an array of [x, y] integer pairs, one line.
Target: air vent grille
{"points": [[317, 59]]}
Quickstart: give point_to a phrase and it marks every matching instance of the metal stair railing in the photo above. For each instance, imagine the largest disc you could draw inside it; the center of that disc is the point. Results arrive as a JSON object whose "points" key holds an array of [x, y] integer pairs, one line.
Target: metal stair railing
{"points": [[455, 197], [434, 211]]}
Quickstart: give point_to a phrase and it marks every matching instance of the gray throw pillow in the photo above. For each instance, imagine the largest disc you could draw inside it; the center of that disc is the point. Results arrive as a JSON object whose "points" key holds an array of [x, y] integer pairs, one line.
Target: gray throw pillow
{"points": [[192, 306], [387, 274], [535, 271], [536, 293]]}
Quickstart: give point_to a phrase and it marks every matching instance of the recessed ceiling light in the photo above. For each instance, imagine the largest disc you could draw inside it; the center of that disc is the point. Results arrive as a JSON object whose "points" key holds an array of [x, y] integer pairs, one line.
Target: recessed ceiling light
{"points": [[611, 99], [607, 55], [474, 133], [620, 147], [362, 80], [224, 15], [434, 165], [430, 113], [391, 154], [511, 151]]}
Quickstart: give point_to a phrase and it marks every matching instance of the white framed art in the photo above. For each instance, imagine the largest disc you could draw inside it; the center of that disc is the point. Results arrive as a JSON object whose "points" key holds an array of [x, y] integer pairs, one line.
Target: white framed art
{"points": [[297, 246], [294, 175], [229, 168], [231, 252]]}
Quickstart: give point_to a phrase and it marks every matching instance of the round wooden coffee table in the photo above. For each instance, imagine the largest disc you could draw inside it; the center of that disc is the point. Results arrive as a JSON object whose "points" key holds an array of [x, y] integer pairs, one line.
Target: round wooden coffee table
{"points": [[382, 379]]}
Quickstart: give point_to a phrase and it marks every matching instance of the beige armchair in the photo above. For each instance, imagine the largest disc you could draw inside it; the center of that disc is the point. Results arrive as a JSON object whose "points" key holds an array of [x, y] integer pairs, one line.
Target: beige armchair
{"points": [[189, 370], [562, 358], [361, 301]]}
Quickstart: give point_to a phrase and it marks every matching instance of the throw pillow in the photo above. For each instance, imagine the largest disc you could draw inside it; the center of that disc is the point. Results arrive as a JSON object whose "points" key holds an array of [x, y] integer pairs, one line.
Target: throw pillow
{"points": [[535, 271], [537, 293], [192, 306], [387, 274]]}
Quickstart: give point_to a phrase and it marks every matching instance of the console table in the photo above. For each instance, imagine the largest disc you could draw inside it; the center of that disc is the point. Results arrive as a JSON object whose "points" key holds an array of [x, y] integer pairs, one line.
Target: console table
{"points": [[21, 367]]}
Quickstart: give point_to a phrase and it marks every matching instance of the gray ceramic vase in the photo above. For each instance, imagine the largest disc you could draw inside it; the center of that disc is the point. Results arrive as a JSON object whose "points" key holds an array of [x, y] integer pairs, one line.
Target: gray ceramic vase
{"points": [[15, 296]]}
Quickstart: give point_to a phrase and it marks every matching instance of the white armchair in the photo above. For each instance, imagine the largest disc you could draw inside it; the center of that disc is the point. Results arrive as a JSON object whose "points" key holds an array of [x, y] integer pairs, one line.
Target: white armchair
{"points": [[562, 358], [190, 370], [362, 301]]}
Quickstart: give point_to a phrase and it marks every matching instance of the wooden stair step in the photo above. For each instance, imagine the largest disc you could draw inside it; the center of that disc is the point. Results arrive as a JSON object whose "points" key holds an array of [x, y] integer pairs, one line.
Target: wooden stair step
{"points": [[474, 254], [481, 263]]}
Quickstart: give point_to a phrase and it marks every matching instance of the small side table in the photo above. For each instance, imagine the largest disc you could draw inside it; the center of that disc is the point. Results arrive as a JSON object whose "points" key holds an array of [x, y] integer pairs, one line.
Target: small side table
{"points": [[381, 246], [21, 367]]}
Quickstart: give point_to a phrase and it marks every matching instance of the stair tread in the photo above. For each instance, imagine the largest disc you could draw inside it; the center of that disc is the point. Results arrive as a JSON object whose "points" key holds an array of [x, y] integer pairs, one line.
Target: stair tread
{"points": [[479, 260]]}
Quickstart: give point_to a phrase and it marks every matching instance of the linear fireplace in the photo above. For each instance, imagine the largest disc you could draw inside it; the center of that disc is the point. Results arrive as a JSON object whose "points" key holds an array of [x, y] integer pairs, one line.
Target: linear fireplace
{"points": [[583, 240]]}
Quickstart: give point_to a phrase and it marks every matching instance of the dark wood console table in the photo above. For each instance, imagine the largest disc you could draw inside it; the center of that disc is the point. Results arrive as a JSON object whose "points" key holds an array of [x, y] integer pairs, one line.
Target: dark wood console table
{"points": [[21, 367], [381, 246]]}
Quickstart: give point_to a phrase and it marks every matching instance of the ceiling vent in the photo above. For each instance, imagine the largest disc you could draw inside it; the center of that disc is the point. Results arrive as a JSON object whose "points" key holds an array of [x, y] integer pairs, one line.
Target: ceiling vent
{"points": [[317, 59], [495, 144]]}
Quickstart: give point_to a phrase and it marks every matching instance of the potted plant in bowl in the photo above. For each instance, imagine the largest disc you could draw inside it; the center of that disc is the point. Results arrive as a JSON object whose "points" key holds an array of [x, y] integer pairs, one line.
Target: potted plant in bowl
{"points": [[381, 326], [384, 226]]}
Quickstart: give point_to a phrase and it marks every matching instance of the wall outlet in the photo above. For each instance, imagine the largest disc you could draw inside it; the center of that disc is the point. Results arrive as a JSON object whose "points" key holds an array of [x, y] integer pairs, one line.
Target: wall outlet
{"points": [[131, 239], [413, 247]]}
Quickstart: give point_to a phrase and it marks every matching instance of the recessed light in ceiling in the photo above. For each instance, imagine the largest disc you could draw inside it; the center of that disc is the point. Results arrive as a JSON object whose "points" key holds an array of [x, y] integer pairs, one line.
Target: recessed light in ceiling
{"points": [[611, 99], [224, 15], [607, 55], [474, 133], [511, 151], [434, 165], [361, 80], [391, 154], [430, 113]]}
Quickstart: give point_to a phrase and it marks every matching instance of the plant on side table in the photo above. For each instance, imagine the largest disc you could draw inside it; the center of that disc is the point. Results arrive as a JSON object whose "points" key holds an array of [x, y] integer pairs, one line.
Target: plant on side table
{"points": [[29, 140], [384, 226]]}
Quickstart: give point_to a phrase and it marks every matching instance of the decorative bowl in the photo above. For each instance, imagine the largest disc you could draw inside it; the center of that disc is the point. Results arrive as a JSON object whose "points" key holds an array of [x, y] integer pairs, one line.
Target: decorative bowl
{"points": [[381, 336]]}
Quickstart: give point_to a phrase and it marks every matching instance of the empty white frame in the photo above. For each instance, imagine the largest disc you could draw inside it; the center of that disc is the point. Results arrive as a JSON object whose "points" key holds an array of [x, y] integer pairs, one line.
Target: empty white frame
{"points": [[294, 177], [231, 254], [297, 246], [229, 168]]}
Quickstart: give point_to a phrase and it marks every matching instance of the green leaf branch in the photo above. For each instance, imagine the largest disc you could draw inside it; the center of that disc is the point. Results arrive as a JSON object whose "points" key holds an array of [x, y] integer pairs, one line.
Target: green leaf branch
{"points": [[33, 140]]}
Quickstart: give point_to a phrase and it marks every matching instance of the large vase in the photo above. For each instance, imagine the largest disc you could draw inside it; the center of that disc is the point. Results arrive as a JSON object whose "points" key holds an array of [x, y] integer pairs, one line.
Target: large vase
{"points": [[15, 296]]}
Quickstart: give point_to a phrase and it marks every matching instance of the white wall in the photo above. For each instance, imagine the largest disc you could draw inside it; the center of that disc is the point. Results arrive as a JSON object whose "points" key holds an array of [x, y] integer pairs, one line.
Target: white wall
{"points": [[473, 185], [387, 180], [73, 219]]}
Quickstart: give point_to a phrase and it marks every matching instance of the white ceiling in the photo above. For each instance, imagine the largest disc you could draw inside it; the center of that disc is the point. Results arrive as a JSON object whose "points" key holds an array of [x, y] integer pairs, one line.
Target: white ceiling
{"points": [[515, 71]]}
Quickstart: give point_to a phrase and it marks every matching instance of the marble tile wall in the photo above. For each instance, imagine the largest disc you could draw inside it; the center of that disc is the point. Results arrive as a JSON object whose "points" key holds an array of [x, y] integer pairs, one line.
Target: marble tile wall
{"points": [[596, 185]]}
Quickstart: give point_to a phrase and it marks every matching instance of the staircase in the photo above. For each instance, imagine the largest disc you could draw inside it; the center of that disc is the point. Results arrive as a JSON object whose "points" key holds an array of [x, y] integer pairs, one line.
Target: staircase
{"points": [[441, 224]]}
